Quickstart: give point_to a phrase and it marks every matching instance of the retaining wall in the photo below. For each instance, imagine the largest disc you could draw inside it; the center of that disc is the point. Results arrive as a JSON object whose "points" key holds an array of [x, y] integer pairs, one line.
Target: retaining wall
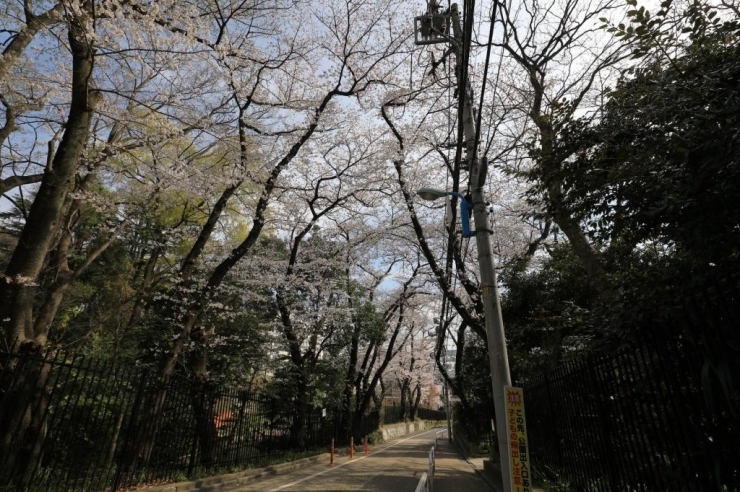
{"points": [[401, 429]]}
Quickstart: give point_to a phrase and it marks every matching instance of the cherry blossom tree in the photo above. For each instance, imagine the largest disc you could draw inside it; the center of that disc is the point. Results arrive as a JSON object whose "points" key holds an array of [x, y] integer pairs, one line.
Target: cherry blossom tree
{"points": [[542, 54], [147, 110]]}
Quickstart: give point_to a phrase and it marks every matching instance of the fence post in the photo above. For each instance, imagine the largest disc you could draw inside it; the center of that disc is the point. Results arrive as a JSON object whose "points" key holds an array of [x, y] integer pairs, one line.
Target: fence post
{"points": [[605, 427], [556, 430], [131, 425], [430, 475]]}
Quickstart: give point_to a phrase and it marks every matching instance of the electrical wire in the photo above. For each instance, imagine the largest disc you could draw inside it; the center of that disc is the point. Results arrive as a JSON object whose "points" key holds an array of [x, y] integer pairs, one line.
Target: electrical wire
{"points": [[442, 336], [463, 63], [493, 98], [485, 74], [464, 82]]}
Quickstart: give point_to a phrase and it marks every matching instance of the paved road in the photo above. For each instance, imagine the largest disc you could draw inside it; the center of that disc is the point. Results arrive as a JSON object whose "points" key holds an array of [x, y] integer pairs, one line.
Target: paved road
{"points": [[392, 467]]}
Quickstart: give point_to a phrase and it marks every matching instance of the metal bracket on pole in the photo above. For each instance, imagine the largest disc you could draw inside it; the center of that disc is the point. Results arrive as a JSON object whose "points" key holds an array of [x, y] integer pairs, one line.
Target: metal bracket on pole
{"points": [[432, 27]]}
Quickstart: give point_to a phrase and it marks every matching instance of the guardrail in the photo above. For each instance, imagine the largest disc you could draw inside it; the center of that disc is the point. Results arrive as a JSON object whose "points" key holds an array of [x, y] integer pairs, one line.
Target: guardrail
{"points": [[426, 482], [436, 436], [431, 469], [423, 482]]}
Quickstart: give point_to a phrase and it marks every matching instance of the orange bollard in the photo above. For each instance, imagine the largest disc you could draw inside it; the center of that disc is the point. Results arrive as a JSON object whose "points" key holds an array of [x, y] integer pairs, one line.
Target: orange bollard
{"points": [[331, 457], [365, 444], [352, 447]]}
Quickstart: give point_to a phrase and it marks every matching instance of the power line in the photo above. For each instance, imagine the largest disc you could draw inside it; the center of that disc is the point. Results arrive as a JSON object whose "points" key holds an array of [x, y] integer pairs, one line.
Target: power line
{"points": [[485, 75]]}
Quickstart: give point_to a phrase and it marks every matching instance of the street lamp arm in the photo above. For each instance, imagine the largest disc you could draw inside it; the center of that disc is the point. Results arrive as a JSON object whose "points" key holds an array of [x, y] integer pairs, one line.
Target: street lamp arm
{"points": [[465, 206]]}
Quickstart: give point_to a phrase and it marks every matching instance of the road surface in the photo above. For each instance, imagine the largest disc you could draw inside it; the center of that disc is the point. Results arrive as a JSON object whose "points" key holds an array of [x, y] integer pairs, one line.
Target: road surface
{"points": [[396, 466]]}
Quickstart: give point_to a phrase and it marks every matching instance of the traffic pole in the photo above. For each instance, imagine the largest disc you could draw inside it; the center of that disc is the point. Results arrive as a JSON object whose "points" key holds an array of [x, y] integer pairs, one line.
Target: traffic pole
{"points": [[351, 447], [365, 444], [331, 455]]}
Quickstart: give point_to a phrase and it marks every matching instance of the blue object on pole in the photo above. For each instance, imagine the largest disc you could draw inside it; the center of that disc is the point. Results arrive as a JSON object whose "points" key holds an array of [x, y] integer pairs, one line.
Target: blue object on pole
{"points": [[465, 206]]}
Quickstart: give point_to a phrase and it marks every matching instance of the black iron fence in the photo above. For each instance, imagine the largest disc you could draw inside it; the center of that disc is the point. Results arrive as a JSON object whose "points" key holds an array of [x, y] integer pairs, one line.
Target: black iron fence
{"points": [[642, 419], [71, 423], [431, 414], [392, 414]]}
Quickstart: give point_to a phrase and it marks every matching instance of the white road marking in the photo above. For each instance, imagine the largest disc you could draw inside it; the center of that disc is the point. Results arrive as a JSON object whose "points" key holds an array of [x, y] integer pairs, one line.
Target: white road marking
{"points": [[346, 463]]}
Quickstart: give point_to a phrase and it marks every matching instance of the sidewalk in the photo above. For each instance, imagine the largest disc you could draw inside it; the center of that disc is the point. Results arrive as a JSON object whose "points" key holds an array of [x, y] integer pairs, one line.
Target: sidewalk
{"points": [[491, 476], [455, 473]]}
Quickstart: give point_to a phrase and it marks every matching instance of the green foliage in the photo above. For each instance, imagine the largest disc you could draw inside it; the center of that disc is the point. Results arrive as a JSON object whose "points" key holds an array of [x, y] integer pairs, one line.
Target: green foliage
{"points": [[375, 437], [474, 376], [660, 33], [654, 179], [551, 313], [238, 352], [661, 166], [370, 322], [551, 485], [95, 307]]}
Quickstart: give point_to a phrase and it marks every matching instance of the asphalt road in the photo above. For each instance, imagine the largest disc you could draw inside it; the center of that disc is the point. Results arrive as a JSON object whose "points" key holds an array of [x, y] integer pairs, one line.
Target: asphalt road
{"points": [[396, 466]]}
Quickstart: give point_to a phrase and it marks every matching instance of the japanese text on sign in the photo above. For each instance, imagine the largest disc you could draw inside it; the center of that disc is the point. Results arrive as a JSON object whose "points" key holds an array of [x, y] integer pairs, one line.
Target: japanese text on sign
{"points": [[516, 429]]}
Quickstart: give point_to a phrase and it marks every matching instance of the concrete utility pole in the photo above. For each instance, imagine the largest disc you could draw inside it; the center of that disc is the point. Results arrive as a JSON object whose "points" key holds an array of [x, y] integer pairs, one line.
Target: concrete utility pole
{"points": [[447, 395], [497, 355]]}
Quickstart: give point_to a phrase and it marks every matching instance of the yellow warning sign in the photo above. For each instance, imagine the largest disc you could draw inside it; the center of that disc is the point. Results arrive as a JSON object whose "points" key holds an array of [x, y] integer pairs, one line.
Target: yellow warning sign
{"points": [[516, 426]]}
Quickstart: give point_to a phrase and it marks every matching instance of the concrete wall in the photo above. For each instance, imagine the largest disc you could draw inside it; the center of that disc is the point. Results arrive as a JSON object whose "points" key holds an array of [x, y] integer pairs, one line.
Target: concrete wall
{"points": [[397, 430]]}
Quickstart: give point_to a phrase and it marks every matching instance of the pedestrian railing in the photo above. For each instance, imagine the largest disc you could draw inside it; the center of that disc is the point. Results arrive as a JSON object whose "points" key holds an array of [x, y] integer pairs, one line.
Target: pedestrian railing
{"points": [[436, 436], [426, 482], [431, 470], [423, 483]]}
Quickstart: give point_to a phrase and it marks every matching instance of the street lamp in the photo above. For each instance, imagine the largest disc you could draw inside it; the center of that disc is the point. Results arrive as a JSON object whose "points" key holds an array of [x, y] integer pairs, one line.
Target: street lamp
{"points": [[495, 338], [431, 194]]}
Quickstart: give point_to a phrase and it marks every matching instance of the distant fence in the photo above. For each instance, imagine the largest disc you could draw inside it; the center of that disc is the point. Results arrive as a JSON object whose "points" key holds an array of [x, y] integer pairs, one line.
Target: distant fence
{"points": [[70, 423], [659, 415], [393, 414]]}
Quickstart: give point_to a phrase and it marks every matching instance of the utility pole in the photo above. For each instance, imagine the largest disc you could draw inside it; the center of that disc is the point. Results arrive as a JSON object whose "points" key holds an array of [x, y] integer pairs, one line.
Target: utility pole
{"points": [[448, 410], [497, 355]]}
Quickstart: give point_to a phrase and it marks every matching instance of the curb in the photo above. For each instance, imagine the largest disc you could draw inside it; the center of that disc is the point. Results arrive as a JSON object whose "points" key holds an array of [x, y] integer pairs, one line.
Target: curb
{"points": [[494, 486], [481, 473], [236, 479], [247, 476], [495, 481]]}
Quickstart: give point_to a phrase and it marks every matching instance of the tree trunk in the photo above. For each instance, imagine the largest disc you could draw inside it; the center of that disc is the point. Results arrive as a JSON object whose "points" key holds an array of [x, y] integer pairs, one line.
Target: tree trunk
{"points": [[414, 402], [114, 440], [203, 403], [300, 412], [403, 408], [202, 400], [137, 312], [18, 287], [350, 397], [551, 166], [23, 414], [149, 426]]}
